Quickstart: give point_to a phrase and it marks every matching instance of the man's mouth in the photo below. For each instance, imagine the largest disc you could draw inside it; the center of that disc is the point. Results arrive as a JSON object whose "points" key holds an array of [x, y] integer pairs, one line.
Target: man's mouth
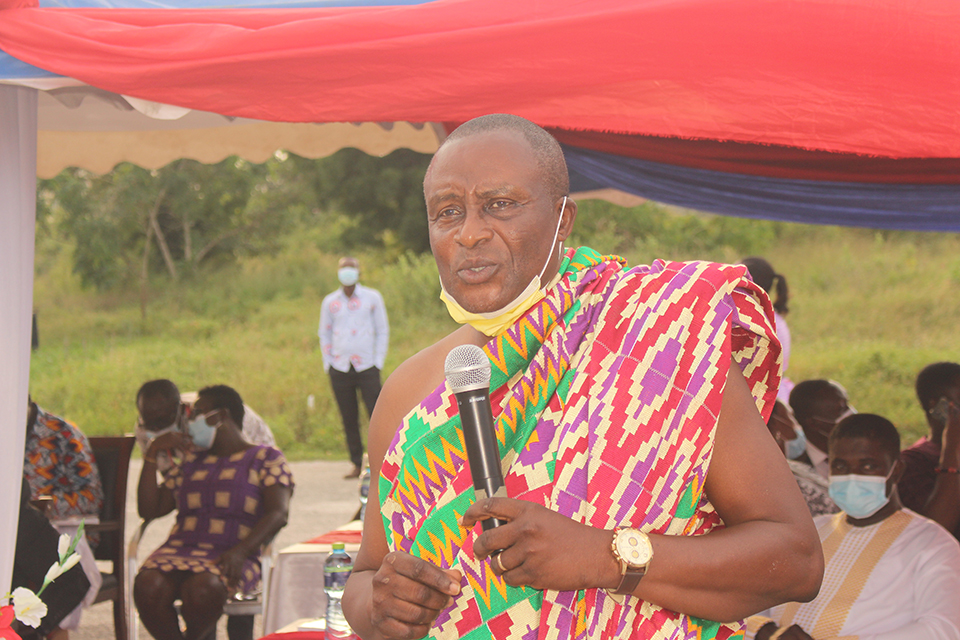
{"points": [[476, 273]]}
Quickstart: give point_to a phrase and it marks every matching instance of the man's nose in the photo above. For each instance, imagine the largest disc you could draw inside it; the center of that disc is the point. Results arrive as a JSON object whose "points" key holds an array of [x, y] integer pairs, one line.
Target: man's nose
{"points": [[475, 227]]}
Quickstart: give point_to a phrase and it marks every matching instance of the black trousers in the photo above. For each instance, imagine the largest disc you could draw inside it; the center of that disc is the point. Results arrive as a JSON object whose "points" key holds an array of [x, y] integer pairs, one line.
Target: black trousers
{"points": [[345, 386]]}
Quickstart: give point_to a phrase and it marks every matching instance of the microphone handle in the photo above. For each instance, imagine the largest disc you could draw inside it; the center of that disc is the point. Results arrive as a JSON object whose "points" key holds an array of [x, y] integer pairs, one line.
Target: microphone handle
{"points": [[483, 453]]}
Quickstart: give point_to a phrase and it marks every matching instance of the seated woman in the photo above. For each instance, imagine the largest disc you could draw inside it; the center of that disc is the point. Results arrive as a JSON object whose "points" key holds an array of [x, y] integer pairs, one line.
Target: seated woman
{"points": [[231, 498]]}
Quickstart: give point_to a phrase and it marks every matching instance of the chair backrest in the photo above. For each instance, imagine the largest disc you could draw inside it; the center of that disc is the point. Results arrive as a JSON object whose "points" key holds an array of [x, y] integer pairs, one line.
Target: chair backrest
{"points": [[112, 455]]}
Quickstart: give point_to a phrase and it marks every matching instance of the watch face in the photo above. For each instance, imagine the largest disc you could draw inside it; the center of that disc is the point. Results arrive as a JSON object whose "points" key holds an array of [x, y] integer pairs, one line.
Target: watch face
{"points": [[634, 547]]}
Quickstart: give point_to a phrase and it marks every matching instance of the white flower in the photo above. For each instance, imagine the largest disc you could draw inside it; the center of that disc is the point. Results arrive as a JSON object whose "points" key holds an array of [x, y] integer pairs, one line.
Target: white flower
{"points": [[70, 562], [63, 545], [27, 607], [52, 573], [57, 569]]}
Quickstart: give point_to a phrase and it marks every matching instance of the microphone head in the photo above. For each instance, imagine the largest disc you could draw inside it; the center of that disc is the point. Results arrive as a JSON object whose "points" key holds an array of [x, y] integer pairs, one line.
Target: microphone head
{"points": [[467, 369]]}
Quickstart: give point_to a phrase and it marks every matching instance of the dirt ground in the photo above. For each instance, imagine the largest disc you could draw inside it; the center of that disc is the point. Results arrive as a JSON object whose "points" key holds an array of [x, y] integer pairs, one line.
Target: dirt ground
{"points": [[322, 501]]}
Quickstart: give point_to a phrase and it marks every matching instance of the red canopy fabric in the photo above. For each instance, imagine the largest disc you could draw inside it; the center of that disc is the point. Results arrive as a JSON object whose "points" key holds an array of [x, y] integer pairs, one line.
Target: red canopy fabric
{"points": [[874, 77]]}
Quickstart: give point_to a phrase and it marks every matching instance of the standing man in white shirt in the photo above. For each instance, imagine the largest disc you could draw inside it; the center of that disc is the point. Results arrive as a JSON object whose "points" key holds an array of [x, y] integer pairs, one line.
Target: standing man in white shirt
{"points": [[354, 335]]}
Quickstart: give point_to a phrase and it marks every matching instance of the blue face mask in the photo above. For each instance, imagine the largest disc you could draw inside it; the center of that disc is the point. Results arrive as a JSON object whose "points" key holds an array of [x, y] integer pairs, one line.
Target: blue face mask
{"points": [[202, 433], [795, 448], [859, 496], [348, 275]]}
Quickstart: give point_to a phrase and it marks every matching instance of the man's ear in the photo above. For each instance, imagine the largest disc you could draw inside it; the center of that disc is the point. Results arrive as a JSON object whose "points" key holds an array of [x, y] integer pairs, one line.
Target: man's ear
{"points": [[569, 214], [897, 472]]}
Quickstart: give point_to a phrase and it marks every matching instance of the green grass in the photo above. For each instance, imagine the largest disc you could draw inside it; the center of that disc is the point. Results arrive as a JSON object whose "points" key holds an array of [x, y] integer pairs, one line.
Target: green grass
{"points": [[868, 309]]}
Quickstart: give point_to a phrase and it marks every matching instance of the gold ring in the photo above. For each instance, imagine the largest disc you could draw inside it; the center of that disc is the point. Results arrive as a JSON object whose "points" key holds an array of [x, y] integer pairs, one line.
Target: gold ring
{"points": [[496, 559]]}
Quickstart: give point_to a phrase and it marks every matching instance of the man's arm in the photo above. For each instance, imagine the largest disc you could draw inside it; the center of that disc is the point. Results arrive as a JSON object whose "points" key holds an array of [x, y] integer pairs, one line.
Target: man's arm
{"points": [[382, 329], [153, 499], [943, 505], [276, 508], [394, 594], [768, 553], [325, 333]]}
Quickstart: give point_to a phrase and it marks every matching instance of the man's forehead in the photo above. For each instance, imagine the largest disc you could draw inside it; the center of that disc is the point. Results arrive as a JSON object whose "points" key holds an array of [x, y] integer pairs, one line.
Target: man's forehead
{"points": [[857, 448], [156, 405], [500, 159], [832, 395]]}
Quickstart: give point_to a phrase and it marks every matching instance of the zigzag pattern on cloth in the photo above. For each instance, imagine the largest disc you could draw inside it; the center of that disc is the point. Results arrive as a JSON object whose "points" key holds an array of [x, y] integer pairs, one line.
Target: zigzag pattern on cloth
{"points": [[606, 399]]}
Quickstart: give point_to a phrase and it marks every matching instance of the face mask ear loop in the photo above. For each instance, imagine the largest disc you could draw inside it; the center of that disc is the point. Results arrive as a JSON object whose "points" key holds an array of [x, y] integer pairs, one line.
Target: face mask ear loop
{"points": [[554, 241]]}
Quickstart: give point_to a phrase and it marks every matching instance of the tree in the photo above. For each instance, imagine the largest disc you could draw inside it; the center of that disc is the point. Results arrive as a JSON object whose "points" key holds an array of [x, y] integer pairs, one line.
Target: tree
{"points": [[382, 196], [197, 214]]}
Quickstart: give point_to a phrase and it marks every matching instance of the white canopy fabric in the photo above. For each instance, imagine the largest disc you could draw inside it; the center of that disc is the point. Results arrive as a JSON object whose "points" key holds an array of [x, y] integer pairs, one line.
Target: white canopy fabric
{"points": [[80, 126], [18, 158]]}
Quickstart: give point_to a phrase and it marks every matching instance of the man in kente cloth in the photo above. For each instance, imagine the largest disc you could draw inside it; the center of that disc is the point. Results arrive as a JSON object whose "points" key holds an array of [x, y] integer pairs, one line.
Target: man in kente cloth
{"points": [[646, 497]]}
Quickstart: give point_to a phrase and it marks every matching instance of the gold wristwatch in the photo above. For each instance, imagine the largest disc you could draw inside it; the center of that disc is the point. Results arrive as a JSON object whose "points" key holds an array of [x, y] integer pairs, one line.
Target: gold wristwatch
{"points": [[632, 549]]}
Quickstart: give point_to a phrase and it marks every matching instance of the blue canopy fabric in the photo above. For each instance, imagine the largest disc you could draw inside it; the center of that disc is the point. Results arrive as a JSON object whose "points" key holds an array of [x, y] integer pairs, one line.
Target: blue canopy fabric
{"points": [[917, 207]]}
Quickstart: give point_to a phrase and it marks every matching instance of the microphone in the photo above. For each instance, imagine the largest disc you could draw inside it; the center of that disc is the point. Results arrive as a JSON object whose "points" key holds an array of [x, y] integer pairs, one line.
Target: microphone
{"points": [[468, 375]]}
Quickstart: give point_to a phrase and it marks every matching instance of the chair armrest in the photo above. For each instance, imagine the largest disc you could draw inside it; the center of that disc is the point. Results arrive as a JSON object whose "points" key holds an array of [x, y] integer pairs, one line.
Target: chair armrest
{"points": [[100, 527], [128, 576], [134, 545]]}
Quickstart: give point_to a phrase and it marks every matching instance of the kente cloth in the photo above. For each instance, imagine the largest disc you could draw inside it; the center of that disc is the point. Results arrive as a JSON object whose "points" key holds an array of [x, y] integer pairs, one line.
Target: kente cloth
{"points": [[219, 500], [898, 579], [605, 397], [58, 462]]}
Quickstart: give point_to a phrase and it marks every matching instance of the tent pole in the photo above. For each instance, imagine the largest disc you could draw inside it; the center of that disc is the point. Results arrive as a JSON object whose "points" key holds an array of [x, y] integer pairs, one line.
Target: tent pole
{"points": [[18, 205]]}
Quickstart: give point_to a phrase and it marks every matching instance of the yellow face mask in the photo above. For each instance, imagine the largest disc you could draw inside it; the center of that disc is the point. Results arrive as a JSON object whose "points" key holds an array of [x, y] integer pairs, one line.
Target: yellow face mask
{"points": [[493, 323]]}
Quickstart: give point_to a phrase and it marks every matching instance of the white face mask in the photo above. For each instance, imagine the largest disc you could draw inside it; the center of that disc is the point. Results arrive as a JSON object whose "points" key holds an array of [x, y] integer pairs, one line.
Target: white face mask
{"points": [[201, 433], [492, 323], [858, 495], [348, 275]]}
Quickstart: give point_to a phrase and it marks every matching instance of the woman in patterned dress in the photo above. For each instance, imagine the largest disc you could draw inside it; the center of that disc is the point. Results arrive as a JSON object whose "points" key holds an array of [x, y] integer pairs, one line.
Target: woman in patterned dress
{"points": [[231, 497]]}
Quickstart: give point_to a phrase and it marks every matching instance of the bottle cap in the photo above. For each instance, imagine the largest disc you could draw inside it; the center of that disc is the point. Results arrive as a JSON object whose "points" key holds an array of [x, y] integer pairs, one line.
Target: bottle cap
{"points": [[338, 546]]}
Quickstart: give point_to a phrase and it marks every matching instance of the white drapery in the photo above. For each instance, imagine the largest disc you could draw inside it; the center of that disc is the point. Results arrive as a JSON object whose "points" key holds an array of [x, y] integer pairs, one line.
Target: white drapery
{"points": [[18, 170]]}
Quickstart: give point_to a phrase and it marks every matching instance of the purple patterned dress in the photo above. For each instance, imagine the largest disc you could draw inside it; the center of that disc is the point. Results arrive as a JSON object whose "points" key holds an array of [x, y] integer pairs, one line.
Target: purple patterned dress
{"points": [[218, 503]]}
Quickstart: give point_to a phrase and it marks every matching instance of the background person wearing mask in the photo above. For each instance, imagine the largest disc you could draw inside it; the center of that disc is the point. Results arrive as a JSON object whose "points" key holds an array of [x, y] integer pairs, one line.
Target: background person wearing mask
{"points": [[890, 573], [931, 479], [354, 335], [231, 497], [818, 405], [161, 408]]}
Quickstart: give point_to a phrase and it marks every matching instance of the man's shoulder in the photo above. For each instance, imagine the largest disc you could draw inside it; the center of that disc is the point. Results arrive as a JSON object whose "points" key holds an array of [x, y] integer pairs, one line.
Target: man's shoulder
{"points": [[922, 458], [691, 274], [924, 449], [57, 425], [418, 376], [928, 545], [924, 530], [369, 292]]}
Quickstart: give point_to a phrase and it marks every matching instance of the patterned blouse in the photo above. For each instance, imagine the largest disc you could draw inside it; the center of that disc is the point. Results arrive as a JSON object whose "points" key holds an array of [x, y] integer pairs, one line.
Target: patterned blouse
{"points": [[219, 500], [58, 462]]}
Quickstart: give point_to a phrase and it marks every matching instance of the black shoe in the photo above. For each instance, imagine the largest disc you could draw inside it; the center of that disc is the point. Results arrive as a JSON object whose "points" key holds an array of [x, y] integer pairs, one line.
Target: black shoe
{"points": [[353, 474]]}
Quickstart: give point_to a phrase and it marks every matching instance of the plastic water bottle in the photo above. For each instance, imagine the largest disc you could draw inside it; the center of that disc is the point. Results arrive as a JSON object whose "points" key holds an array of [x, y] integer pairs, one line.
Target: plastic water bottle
{"points": [[336, 570]]}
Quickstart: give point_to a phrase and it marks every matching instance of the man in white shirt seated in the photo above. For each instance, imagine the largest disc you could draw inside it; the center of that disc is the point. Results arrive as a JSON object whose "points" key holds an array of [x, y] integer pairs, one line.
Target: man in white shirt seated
{"points": [[890, 573]]}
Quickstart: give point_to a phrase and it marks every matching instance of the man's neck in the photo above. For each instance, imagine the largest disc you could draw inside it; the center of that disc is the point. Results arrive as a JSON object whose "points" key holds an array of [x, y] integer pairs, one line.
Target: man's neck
{"points": [[817, 439], [348, 291]]}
